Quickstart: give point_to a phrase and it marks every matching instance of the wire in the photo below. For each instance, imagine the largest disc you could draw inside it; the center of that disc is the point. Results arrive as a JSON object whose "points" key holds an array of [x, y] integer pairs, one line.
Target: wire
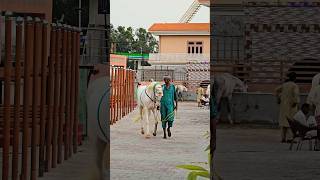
{"points": [[98, 113]]}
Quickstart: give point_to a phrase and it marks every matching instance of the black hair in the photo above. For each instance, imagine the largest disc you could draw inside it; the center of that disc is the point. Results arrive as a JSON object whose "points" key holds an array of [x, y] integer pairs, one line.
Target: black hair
{"points": [[305, 105], [292, 76]]}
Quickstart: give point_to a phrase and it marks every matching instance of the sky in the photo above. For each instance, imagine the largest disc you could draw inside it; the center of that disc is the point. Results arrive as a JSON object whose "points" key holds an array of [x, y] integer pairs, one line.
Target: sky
{"points": [[143, 13]]}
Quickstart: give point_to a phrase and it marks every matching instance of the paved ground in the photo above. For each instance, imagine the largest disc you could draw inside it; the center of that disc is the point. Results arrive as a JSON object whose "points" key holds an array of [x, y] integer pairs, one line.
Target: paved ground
{"points": [[78, 167], [134, 157], [254, 153]]}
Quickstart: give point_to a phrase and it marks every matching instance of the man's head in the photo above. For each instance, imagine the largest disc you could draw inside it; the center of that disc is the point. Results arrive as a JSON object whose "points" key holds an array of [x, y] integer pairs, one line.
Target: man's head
{"points": [[206, 95], [292, 76], [305, 108], [167, 80]]}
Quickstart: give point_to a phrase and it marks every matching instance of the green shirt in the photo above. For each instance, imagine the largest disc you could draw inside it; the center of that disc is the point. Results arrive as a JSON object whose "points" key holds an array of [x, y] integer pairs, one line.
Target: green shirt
{"points": [[169, 95]]}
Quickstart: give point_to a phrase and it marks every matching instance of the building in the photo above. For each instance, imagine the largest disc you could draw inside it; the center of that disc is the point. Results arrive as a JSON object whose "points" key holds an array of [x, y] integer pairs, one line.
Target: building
{"points": [[34, 8], [184, 53], [180, 43], [118, 60], [271, 37], [184, 50]]}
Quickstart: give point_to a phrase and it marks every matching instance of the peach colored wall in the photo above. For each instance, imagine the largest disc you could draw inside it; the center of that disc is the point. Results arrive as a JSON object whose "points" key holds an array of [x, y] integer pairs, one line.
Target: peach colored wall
{"points": [[28, 6], [118, 60], [178, 44]]}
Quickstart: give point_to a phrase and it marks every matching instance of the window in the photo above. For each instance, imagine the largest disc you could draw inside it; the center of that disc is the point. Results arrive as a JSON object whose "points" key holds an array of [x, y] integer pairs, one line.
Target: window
{"points": [[195, 47]]}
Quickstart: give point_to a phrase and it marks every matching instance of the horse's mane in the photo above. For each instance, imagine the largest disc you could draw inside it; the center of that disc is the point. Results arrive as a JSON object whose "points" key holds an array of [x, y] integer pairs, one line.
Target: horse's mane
{"points": [[152, 85]]}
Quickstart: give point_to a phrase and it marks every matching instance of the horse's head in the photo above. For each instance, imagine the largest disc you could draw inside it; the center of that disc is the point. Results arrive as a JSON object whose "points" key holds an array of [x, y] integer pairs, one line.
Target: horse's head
{"points": [[181, 88], [242, 86], [185, 89], [156, 88]]}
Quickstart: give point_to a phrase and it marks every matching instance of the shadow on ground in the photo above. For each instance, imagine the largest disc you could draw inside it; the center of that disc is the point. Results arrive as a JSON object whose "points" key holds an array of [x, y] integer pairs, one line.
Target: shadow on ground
{"points": [[254, 152]]}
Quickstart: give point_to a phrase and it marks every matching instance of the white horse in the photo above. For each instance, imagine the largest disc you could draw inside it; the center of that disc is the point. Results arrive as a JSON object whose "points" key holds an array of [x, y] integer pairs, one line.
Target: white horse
{"points": [[98, 124], [180, 89], [226, 84], [148, 98]]}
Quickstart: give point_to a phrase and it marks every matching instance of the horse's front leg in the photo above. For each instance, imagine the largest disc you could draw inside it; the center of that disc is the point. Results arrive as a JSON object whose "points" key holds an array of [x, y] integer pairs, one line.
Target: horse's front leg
{"points": [[181, 98], [147, 123], [155, 123]]}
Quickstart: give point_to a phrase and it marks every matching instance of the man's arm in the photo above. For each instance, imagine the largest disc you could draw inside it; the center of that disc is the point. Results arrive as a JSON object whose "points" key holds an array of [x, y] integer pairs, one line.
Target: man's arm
{"points": [[176, 99]]}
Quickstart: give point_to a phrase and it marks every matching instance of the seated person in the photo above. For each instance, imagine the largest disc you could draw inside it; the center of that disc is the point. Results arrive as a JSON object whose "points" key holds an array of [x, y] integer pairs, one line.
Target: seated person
{"points": [[302, 117], [204, 100]]}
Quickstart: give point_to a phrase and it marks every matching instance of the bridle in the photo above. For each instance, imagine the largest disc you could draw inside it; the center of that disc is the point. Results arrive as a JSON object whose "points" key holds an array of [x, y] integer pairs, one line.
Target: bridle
{"points": [[154, 99]]}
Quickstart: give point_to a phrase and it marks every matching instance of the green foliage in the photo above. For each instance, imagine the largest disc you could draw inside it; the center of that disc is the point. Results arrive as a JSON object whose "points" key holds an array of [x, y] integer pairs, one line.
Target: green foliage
{"points": [[198, 171], [127, 39], [192, 167], [195, 174]]}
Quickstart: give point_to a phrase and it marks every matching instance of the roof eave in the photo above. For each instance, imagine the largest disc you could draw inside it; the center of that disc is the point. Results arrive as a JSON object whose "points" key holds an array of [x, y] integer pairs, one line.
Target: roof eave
{"points": [[181, 33], [204, 2]]}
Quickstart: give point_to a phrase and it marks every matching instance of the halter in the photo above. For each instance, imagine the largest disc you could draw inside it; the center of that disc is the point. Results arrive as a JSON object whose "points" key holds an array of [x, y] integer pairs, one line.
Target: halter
{"points": [[154, 92]]}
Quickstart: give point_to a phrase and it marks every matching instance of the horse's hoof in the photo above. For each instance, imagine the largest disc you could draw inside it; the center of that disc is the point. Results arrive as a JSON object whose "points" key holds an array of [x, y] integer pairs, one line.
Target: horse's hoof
{"points": [[154, 134], [142, 132], [164, 137]]}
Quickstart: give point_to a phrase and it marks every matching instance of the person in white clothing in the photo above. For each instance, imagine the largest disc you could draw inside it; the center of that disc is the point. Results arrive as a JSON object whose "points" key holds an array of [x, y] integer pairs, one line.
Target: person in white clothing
{"points": [[302, 117], [309, 123], [205, 100], [314, 99]]}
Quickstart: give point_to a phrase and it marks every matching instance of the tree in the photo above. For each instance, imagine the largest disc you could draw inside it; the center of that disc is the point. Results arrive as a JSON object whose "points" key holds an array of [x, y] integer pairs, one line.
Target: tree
{"points": [[123, 38], [128, 40], [145, 42]]}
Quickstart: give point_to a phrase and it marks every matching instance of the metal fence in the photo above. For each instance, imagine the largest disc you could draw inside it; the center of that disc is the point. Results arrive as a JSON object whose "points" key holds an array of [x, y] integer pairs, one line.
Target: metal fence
{"points": [[93, 46], [122, 93], [157, 72], [39, 113]]}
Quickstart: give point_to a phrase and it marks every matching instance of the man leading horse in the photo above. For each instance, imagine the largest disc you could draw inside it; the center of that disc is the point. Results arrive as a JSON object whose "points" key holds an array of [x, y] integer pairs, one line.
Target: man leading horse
{"points": [[168, 104]]}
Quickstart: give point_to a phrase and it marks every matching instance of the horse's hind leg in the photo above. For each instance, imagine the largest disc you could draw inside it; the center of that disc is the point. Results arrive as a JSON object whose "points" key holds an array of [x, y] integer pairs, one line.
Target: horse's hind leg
{"points": [[229, 111], [141, 119], [155, 123]]}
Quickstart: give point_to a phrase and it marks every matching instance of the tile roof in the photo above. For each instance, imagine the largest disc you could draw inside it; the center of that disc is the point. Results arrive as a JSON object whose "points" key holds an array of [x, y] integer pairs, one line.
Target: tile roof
{"points": [[203, 27]]}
